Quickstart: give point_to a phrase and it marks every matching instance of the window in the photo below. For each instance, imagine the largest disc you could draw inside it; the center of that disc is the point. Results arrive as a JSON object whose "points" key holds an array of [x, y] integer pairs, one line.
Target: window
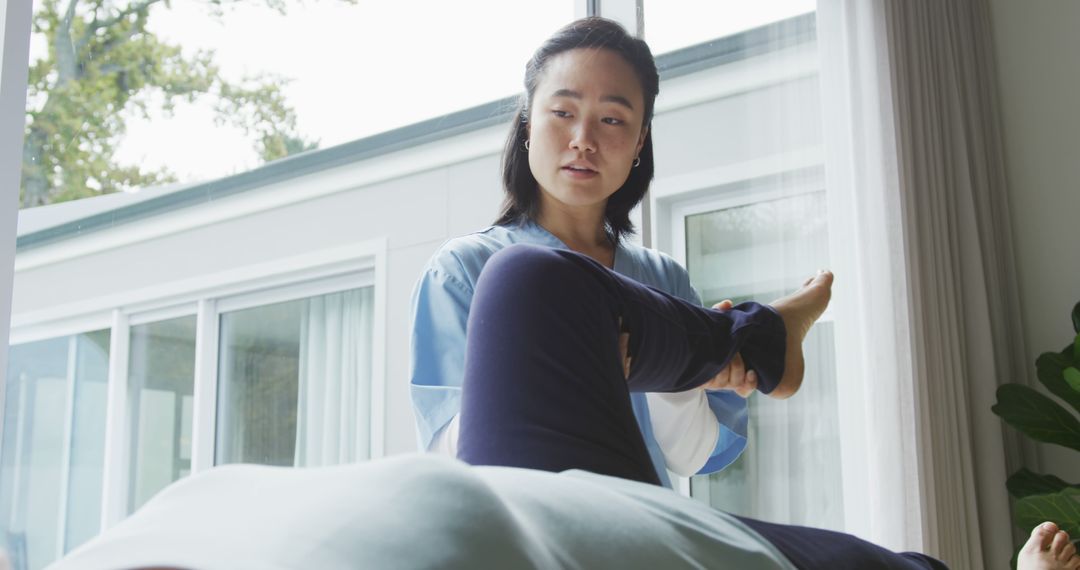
{"points": [[95, 424], [759, 245], [294, 381], [161, 379], [53, 445], [675, 24]]}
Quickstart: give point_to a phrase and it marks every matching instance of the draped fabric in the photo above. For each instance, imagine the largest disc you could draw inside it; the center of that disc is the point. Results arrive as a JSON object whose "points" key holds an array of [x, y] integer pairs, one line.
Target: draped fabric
{"points": [[334, 394], [914, 142]]}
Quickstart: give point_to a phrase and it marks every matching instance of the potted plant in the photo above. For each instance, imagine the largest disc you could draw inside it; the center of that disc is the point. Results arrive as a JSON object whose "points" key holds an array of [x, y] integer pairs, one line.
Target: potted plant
{"points": [[1046, 497]]}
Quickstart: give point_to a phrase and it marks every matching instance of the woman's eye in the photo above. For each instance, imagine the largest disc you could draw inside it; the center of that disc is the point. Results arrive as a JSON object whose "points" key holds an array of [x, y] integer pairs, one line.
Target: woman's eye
{"points": [[560, 113], [612, 121]]}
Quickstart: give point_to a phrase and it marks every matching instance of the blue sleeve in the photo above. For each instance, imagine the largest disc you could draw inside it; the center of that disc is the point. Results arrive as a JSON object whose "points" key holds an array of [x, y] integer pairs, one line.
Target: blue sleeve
{"points": [[731, 412], [729, 408], [440, 309]]}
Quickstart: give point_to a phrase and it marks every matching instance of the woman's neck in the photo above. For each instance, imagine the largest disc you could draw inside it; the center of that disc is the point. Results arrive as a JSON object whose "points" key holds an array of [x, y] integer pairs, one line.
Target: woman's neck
{"points": [[581, 231]]}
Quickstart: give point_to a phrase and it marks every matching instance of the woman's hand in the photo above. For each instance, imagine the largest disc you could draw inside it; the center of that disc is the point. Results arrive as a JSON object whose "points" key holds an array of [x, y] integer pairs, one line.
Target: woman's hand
{"points": [[733, 377]]}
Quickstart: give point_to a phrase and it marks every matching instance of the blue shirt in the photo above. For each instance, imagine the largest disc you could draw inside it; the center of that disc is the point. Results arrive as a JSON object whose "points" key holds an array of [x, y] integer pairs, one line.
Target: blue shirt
{"points": [[440, 309]]}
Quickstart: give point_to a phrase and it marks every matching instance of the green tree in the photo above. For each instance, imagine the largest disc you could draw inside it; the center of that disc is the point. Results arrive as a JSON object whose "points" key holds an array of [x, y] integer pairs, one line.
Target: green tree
{"points": [[103, 66]]}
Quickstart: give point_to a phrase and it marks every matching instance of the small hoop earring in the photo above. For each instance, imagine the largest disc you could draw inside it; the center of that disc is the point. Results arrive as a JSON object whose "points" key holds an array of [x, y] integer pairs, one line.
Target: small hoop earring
{"points": [[637, 161], [526, 144]]}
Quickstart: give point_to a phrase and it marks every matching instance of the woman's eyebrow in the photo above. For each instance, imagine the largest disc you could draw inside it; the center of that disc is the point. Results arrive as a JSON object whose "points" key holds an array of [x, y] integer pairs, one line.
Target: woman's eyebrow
{"points": [[606, 98]]}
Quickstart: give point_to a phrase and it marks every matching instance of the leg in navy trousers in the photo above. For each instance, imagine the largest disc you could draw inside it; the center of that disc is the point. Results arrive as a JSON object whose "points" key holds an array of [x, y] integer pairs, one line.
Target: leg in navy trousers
{"points": [[545, 388]]}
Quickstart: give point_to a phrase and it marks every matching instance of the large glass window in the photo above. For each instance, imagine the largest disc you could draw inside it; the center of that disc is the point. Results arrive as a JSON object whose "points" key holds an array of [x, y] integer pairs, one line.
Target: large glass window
{"points": [[675, 24], [53, 446], [294, 381], [161, 377], [759, 250]]}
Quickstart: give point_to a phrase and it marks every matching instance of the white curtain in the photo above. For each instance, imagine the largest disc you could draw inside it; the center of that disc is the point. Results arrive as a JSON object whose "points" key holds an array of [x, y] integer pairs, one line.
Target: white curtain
{"points": [[741, 189], [927, 283], [870, 289], [333, 420]]}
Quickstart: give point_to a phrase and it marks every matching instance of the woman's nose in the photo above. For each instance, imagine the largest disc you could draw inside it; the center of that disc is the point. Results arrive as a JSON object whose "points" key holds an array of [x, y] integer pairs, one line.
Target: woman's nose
{"points": [[582, 139]]}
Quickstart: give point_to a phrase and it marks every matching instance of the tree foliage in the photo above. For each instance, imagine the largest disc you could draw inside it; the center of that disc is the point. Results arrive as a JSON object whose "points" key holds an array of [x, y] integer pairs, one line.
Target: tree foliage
{"points": [[103, 65]]}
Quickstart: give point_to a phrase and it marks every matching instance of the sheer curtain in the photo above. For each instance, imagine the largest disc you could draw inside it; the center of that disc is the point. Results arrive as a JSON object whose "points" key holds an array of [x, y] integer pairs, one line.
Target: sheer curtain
{"points": [[740, 198], [914, 156], [334, 396], [870, 289]]}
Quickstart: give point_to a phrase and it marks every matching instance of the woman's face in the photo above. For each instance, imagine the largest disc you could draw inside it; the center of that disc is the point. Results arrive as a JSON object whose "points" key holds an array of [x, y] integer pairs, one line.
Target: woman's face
{"points": [[585, 127]]}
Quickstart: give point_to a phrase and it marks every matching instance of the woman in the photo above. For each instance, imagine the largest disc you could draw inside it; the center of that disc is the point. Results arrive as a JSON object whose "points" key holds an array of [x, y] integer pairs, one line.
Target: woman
{"points": [[575, 164], [535, 342]]}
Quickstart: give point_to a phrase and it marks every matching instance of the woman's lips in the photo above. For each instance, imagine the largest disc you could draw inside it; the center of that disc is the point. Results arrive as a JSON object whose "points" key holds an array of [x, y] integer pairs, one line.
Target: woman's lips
{"points": [[580, 173]]}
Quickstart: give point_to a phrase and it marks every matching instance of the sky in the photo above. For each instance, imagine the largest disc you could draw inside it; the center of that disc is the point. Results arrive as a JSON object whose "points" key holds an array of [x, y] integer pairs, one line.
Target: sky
{"points": [[357, 70]]}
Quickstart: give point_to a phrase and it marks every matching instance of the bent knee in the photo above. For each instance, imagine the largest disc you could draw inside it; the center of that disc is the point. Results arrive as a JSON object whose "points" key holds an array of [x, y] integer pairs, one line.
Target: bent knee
{"points": [[527, 267]]}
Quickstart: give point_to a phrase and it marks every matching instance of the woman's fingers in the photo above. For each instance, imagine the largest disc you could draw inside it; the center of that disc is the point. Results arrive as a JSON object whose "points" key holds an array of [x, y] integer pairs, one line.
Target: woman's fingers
{"points": [[721, 381], [743, 382], [723, 305], [734, 377], [738, 373], [749, 386]]}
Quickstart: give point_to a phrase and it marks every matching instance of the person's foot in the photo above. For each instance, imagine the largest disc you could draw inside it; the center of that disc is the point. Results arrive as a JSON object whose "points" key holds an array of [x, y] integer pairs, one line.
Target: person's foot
{"points": [[1048, 548], [799, 311]]}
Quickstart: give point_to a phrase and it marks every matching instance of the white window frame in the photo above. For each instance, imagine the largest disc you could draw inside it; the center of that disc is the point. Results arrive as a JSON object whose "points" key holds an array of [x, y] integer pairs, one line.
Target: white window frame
{"points": [[351, 266], [205, 411]]}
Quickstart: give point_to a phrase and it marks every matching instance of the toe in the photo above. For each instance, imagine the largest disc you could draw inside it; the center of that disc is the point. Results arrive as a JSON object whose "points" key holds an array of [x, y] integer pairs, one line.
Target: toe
{"points": [[1067, 553], [1041, 537], [1061, 540]]}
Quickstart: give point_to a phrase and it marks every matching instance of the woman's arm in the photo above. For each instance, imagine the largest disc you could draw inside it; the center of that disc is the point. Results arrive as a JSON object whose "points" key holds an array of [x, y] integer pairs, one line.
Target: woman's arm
{"points": [[440, 308], [698, 431]]}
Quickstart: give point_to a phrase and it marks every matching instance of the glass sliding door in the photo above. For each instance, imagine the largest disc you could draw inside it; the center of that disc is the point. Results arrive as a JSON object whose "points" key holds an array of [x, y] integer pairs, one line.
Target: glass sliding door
{"points": [[53, 446], [161, 377]]}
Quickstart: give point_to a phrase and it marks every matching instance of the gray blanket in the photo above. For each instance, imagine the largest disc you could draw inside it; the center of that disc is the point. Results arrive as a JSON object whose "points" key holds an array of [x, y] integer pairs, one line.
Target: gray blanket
{"points": [[420, 511]]}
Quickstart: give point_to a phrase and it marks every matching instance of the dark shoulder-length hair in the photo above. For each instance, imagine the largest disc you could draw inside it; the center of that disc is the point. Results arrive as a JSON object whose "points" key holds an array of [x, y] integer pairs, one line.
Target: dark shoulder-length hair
{"points": [[522, 200]]}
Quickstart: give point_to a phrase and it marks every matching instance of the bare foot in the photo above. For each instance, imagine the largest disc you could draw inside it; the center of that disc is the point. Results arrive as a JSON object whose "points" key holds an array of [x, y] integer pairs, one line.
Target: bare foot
{"points": [[799, 311], [1048, 549]]}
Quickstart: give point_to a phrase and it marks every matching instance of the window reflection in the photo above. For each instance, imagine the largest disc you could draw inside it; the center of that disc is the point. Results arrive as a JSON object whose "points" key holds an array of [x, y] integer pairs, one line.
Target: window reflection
{"points": [[161, 375], [53, 446]]}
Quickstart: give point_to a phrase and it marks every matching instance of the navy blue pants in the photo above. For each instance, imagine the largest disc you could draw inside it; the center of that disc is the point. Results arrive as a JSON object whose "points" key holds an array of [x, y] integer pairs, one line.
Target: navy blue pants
{"points": [[545, 388]]}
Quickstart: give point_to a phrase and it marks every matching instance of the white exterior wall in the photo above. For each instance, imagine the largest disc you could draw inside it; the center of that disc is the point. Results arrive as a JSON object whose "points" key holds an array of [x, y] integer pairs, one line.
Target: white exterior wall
{"points": [[414, 199], [414, 214]]}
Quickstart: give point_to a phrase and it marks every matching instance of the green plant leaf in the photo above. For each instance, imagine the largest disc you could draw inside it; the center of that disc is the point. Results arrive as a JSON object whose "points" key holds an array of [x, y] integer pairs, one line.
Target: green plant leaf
{"points": [[1072, 377], [1076, 317], [1050, 367], [1076, 348], [1037, 416], [1025, 483], [1062, 508]]}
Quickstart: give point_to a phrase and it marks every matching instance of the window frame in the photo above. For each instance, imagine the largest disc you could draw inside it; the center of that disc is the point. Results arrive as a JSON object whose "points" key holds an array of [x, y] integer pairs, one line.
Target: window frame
{"points": [[350, 266]]}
